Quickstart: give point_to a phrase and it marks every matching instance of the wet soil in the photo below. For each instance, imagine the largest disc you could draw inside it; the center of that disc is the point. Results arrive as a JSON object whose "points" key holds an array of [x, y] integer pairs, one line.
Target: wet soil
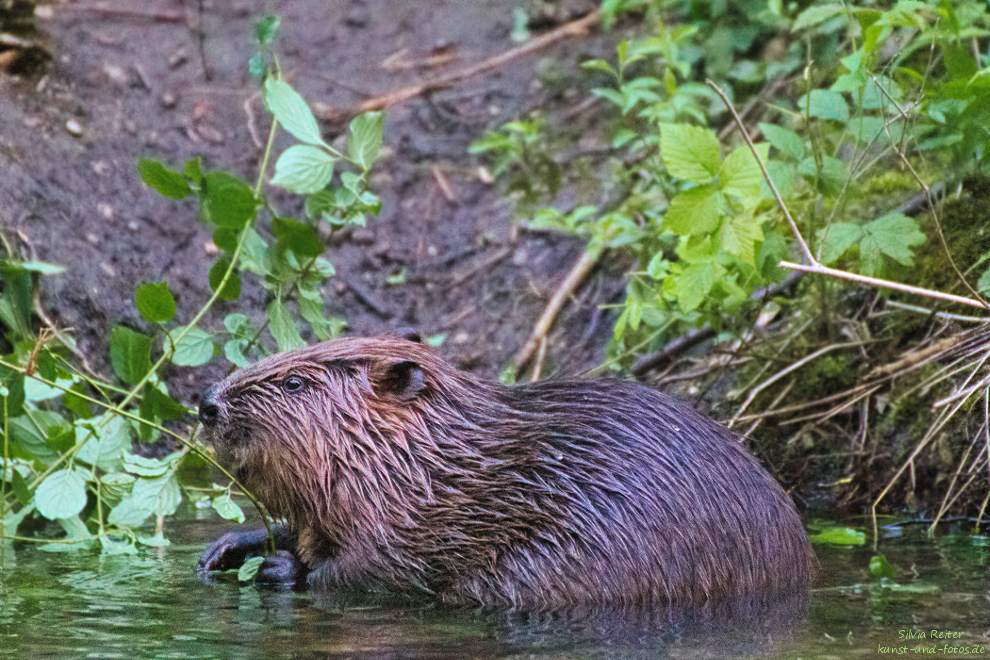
{"points": [[169, 80]]}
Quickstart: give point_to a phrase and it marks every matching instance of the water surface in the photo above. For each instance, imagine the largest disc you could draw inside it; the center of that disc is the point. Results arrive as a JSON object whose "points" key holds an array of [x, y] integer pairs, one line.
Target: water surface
{"points": [[80, 605]]}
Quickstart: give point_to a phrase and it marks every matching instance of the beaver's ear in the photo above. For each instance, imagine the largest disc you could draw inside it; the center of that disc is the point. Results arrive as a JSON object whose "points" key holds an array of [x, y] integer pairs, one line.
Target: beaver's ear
{"points": [[401, 379], [409, 334]]}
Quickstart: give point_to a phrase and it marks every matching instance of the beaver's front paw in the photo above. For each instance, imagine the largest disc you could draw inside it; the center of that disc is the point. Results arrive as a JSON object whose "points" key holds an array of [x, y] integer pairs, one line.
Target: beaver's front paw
{"points": [[281, 569], [230, 550]]}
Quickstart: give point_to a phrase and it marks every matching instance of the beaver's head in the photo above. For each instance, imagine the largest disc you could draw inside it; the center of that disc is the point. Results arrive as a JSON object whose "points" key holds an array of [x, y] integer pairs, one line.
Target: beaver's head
{"points": [[315, 427]]}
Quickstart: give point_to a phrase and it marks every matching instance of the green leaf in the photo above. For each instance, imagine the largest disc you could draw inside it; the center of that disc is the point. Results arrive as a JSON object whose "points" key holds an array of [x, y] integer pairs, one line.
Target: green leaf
{"points": [[227, 201], [130, 354], [194, 349], [109, 546], [227, 509], [249, 568], [881, 568], [283, 327], [232, 289], [41, 267], [689, 152], [839, 536], [194, 170], [11, 393], [740, 234], [116, 485], [146, 467], [266, 30], [234, 349], [21, 491], [741, 174], [161, 405], [62, 494], [365, 139], [291, 111], [34, 439], [167, 182], [303, 169], [693, 285], [298, 237], [815, 15], [838, 237], [161, 494], [311, 309], [130, 512], [825, 104], [106, 444], [154, 302], [893, 235], [694, 211], [783, 140]]}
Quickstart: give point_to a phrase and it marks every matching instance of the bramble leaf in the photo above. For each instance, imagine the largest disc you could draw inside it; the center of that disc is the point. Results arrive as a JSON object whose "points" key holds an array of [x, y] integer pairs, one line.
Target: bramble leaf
{"points": [[689, 152], [694, 211]]}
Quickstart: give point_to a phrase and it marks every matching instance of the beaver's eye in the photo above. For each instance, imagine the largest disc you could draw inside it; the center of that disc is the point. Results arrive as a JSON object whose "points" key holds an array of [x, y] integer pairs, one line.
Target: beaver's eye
{"points": [[293, 384]]}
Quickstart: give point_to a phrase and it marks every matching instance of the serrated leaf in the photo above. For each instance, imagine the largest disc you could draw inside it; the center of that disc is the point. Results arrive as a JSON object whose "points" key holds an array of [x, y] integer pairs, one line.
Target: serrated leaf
{"points": [[161, 494], [144, 466], [232, 288], [194, 349], [365, 139], [303, 169], [283, 327], [740, 234], [815, 15], [693, 285], [825, 104], [227, 509], [154, 302], [783, 140], [741, 174], [894, 235], [234, 349], [694, 211], [62, 494], [34, 439], [689, 152], [130, 512], [130, 354], [311, 309], [106, 445], [227, 201], [291, 111], [161, 405], [167, 182], [298, 237], [839, 237]]}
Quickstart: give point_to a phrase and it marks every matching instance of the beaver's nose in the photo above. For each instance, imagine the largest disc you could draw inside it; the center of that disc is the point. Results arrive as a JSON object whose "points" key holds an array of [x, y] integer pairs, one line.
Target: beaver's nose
{"points": [[209, 409]]}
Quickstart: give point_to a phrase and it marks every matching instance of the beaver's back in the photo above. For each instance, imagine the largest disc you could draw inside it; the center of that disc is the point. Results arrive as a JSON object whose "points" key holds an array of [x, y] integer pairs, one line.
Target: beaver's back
{"points": [[650, 502]]}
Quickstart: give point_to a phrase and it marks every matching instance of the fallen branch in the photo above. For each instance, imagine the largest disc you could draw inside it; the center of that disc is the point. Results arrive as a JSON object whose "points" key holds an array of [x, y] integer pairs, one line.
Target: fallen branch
{"points": [[577, 273], [579, 27]]}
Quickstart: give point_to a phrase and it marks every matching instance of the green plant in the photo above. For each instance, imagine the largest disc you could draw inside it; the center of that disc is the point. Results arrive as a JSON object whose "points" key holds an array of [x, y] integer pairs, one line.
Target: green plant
{"points": [[68, 436]]}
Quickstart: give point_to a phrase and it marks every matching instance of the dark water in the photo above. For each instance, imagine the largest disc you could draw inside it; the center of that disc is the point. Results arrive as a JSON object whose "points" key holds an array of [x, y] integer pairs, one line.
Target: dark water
{"points": [[76, 605]]}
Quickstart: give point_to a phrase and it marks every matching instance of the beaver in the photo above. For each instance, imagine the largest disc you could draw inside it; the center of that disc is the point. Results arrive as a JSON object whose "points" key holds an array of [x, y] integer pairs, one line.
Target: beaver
{"points": [[397, 473]]}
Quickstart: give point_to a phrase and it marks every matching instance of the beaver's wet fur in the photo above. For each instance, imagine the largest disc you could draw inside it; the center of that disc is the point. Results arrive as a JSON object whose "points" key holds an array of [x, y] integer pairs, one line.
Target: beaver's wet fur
{"points": [[397, 473]]}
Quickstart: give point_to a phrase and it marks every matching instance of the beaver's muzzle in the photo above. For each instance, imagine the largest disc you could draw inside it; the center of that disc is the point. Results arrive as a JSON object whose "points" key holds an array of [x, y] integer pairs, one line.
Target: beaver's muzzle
{"points": [[209, 406]]}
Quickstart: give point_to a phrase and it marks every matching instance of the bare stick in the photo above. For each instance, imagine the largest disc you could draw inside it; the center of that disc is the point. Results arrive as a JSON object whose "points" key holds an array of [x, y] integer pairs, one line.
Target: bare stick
{"points": [[877, 282], [576, 28], [578, 272], [766, 175]]}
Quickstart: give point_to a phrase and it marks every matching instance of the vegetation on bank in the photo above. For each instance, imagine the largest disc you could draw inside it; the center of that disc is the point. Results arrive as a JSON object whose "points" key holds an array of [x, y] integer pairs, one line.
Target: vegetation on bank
{"points": [[867, 143]]}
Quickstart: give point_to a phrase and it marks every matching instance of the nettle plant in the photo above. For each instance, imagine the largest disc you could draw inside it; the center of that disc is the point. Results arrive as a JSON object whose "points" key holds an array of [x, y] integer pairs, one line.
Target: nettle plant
{"points": [[69, 437]]}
